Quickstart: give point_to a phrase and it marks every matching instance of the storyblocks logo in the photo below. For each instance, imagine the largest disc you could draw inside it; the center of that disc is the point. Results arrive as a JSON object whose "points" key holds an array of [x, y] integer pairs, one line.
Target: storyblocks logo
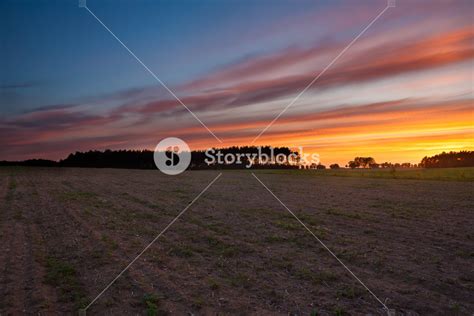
{"points": [[173, 156], [260, 155]]}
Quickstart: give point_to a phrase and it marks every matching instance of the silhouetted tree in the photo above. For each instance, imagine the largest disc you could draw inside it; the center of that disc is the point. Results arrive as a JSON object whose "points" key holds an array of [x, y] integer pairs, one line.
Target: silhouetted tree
{"points": [[364, 162], [143, 159], [449, 160], [30, 163], [334, 166], [352, 164]]}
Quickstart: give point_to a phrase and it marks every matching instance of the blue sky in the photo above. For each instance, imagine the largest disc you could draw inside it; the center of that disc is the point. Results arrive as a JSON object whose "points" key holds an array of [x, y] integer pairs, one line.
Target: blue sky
{"points": [[62, 54], [66, 84]]}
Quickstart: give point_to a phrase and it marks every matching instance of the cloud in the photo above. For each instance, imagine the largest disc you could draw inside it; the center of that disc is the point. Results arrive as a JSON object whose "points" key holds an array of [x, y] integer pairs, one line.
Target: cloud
{"points": [[142, 115], [46, 108], [67, 132], [254, 81], [55, 118], [21, 85]]}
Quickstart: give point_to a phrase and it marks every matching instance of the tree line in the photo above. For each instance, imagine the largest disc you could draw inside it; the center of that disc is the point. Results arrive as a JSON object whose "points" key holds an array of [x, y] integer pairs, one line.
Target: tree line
{"points": [[369, 162], [143, 159], [449, 160]]}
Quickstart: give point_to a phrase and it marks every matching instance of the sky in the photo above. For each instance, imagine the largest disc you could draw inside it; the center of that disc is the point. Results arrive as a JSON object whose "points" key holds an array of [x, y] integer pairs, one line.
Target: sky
{"points": [[403, 90]]}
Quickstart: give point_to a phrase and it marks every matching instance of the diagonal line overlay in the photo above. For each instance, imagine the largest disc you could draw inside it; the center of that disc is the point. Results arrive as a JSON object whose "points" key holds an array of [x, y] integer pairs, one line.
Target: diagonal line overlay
{"points": [[154, 76], [151, 243], [320, 74], [322, 243]]}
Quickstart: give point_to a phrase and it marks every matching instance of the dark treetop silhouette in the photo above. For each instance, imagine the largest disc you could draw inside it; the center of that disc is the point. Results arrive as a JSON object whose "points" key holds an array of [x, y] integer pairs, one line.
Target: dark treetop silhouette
{"points": [[143, 159]]}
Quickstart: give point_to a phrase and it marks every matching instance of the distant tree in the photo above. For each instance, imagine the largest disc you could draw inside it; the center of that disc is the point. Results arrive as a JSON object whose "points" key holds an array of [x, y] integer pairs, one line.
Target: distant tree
{"points": [[334, 166], [374, 165], [449, 160], [364, 162], [353, 164], [386, 165], [143, 159], [320, 166], [31, 163]]}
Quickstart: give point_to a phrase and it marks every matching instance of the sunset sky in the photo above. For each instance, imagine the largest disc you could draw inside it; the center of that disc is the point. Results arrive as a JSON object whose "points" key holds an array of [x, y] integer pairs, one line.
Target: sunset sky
{"points": [[404, 90]]}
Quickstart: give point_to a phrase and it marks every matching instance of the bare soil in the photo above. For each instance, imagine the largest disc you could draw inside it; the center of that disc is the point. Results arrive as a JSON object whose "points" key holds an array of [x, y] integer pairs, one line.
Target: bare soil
{"points": [[66, 233]]}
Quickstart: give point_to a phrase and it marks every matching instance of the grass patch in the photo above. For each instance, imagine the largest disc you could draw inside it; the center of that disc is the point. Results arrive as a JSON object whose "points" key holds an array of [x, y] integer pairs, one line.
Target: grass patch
{"points": [[288, 225], [333, 211], [240, 280], [151, 302], [465, 254], [455, 308], [63, 276], [12, 185], [18, 215], [220, 229], [213, 284], [349, 292], [148, 216], [137, 200], [221, 248], [307, 219], [198, 302], [77, 196], [349, 255], [441, 174], [274, 239], [182, 251], [315, 277], [339, 311], [283, 263], [111, 244], [88, 212], [253, 212]]}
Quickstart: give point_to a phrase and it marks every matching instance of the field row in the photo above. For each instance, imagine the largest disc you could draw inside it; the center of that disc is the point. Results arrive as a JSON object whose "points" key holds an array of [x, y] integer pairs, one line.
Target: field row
{"points": [[66, 233]]}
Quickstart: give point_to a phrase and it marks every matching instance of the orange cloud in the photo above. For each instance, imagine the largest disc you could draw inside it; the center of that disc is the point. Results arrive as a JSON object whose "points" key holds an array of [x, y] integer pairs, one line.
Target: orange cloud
{"points": [[404, 129]]}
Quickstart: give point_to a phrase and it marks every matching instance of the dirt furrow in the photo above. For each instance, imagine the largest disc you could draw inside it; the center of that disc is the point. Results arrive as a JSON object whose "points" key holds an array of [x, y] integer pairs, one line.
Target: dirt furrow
{"points": [[69, 237], [42, 296], [145, 277], [15, 258], [19, 272], [66, 233]]}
